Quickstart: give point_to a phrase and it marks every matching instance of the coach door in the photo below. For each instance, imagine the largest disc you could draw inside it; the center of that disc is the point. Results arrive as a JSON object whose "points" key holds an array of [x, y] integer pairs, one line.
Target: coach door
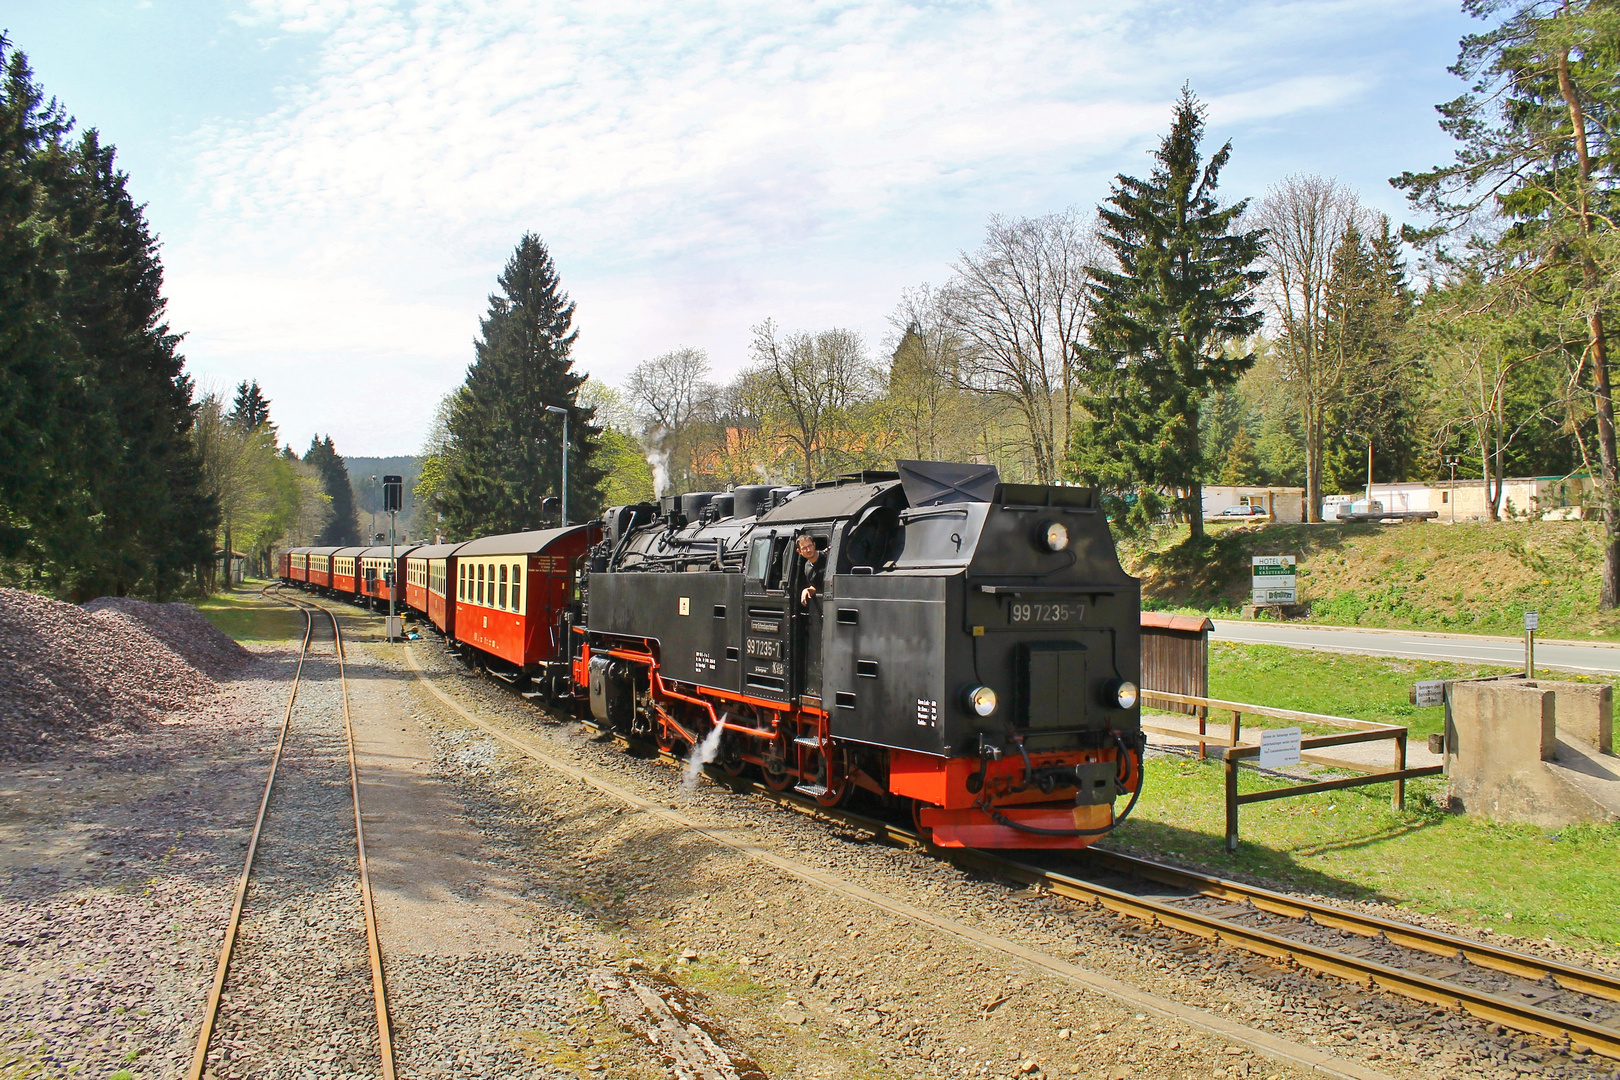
{"points": [[768, 645]]}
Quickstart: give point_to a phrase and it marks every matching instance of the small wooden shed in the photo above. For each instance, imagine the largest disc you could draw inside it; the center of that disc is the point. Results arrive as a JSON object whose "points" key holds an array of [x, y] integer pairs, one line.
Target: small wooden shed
{"points": [[1175, 655]]}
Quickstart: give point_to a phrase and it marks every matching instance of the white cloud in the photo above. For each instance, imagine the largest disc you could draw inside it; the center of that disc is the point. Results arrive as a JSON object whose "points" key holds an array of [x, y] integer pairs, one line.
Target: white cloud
{"points": [[695, 167]]}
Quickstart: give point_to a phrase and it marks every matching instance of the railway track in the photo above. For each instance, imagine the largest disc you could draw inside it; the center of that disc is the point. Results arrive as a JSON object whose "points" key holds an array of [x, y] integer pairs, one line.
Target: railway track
{"points": [[286, 892], [1575, 1006]]}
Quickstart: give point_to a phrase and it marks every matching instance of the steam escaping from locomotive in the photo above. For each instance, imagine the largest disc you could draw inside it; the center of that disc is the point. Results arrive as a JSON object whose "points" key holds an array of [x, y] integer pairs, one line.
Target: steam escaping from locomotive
{"points": [[658, 458], [702, 754]]}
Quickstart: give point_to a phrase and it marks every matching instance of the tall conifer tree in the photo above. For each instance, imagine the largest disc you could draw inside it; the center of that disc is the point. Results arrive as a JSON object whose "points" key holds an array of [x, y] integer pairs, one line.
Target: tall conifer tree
{"points": [[1182, 292], [344, 528], [508, 449]]}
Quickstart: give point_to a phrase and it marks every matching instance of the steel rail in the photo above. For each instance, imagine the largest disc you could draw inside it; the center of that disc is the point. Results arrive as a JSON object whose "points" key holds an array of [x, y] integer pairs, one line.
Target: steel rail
{"points": [[373, 947], [199, 1059]]}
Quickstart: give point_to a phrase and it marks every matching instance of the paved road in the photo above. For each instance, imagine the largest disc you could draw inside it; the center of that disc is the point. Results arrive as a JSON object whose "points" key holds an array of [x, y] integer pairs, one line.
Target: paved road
{"points": [[1462, 648]]}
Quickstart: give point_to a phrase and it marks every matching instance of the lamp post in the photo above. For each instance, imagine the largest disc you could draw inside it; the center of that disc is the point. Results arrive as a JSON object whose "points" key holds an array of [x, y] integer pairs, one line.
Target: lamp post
{"points": [[564, 414], [1451, 463], [373, 514]]}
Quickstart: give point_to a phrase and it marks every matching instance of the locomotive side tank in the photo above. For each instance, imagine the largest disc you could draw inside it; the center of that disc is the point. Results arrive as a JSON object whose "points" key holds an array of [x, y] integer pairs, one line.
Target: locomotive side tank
{"points": [[972, 647]]}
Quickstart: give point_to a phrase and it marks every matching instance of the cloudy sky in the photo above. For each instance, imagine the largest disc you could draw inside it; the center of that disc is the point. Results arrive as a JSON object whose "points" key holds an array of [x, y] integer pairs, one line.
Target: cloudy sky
{"points": [[337, 182]]}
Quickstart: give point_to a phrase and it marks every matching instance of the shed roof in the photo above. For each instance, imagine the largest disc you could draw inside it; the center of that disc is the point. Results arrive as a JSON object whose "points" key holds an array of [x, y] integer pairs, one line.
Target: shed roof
{"points": [[1188, 624]]}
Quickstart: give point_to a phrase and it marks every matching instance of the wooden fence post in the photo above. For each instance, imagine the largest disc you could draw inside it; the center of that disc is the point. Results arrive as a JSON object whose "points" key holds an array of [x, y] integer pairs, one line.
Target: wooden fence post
{"points": [[1399, 796], [1231, 803]]}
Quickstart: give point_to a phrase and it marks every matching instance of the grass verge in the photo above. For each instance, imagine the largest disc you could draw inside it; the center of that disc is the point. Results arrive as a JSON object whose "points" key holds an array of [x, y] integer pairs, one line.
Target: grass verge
{"points": [[1515, 879], [246, 616]]}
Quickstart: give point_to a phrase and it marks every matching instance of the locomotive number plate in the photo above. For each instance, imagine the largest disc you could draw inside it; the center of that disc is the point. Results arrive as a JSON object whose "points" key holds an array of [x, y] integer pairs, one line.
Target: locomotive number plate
{"points": [[770, 650], [1045, 613]]}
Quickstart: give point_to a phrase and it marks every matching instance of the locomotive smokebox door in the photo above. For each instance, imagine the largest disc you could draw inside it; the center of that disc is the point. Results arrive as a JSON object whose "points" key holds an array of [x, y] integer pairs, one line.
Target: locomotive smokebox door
{"points": [[1052, 684]]}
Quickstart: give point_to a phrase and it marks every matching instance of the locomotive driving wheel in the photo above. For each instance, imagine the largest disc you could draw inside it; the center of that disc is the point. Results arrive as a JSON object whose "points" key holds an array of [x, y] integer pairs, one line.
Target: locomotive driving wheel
{"points": [[774, 763], [829, 768], [917, 807]]}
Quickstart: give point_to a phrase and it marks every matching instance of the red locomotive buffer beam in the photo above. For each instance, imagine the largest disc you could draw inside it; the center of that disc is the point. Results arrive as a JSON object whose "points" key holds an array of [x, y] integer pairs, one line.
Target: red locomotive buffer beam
{"points": [[958, 817]]}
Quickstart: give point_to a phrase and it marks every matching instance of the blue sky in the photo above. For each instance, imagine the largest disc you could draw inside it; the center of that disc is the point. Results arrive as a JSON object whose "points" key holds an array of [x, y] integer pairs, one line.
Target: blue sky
{"points": [[336, 184]]}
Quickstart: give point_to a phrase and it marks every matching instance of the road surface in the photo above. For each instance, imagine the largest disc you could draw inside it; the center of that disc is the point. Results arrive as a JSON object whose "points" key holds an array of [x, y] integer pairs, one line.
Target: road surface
{"points": [[1460, 648]]}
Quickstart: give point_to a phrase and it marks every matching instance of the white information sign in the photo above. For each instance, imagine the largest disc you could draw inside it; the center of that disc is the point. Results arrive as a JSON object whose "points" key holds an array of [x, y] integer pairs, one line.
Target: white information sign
{"points": [[1429, 692], [1531, 619], [1273, 580], [1279, 747]]}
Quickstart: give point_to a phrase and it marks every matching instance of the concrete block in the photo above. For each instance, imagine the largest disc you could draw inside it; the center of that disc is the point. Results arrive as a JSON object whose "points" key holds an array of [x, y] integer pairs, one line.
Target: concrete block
{"points": [[1585, 712], [1505, 734]]}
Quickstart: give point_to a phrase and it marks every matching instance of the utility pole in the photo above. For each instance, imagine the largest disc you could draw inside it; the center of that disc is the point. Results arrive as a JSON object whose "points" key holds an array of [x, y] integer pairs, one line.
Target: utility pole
{"points": [[373, 532], [564, 414]]}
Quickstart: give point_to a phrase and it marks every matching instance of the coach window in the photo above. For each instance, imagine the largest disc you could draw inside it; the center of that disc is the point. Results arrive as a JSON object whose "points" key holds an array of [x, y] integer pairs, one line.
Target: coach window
{"points": [[517, 587], [478, 595], [502, 604]]}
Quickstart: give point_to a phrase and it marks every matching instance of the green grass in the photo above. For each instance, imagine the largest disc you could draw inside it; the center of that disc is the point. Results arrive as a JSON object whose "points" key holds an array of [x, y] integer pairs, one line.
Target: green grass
{"points": [[246, 616], [1373, 688], [1517, 879]]}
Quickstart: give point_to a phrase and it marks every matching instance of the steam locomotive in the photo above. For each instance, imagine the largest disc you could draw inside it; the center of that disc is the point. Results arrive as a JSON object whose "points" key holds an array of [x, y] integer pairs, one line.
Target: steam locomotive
{"points": [[972, 650]]}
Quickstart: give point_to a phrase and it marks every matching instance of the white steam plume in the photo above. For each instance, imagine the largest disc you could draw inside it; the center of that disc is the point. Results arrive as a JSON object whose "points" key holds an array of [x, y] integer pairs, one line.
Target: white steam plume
{"points": [[702, 754]]}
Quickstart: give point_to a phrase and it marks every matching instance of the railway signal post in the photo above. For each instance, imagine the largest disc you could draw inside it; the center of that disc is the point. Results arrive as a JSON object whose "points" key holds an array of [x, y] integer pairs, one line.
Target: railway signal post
{"points": [[393, 499]]}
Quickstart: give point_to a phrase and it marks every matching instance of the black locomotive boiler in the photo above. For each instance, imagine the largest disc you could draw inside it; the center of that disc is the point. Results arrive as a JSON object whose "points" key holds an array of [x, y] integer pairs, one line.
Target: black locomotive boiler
{"points": [[973, 647]]}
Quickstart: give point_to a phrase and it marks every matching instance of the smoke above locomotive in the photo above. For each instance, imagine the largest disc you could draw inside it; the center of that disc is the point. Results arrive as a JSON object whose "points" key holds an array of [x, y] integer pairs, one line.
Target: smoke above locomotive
{"points": [[968, 648]]}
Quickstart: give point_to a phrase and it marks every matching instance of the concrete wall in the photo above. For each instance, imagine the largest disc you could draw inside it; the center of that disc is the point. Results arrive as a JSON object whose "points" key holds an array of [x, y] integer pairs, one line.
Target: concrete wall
{"points": [[1585, 712], [1506, 761]]}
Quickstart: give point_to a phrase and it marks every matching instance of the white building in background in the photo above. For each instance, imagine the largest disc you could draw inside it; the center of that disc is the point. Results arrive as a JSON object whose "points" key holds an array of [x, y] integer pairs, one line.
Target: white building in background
{"points": [[1523, 498], [1277, 503]]}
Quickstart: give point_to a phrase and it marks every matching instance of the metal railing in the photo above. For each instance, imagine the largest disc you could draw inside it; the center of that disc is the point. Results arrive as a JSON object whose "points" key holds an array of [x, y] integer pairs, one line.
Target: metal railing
{"points": [[1236, 751]]}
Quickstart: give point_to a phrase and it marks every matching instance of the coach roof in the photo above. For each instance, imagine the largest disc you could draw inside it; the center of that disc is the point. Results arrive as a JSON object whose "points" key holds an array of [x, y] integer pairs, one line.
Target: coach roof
{"points": [[436, 551], [523, 543], [380, 551]]}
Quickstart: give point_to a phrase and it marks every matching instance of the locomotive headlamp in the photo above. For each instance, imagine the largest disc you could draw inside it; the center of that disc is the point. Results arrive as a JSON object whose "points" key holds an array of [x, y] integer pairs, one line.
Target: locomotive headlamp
{"points": [[1125, 693], [1055, 535], [980, 700]]}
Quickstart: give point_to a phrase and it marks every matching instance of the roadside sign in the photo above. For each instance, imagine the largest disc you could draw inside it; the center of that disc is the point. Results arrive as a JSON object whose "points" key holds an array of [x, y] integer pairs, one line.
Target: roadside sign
{"points": [[1279, 747], [1273, 580], [1430, 692], [1531, 619]]}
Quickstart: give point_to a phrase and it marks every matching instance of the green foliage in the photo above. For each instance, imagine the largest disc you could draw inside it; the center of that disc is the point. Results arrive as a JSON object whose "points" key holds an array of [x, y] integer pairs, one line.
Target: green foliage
{"points": [[507, 453], [1183, 291], [100, 487]]}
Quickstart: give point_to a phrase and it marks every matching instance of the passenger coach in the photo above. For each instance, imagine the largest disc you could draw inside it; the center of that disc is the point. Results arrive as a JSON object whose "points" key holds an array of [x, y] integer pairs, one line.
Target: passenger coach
{"points": [[511, 593], [429, 570]]}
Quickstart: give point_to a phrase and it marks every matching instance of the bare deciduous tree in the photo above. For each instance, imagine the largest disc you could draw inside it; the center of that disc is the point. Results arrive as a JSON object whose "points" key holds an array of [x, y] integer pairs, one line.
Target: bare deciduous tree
{"points": [[1020, 302], [669, 392], [1305, 217], [820, 382]]}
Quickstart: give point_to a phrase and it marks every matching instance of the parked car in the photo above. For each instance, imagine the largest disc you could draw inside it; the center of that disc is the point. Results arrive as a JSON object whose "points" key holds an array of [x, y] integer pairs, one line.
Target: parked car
{"points": [[1243, 511]]}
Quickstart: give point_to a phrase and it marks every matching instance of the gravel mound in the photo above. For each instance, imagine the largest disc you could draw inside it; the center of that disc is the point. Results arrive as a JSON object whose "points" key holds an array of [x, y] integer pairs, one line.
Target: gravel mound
{"points": [[182, 628], [67, 674]]}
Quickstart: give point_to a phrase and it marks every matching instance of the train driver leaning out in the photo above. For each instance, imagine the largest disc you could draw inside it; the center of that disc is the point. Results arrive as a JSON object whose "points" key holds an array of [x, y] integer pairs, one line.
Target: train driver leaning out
{"points": [[815, 562]]}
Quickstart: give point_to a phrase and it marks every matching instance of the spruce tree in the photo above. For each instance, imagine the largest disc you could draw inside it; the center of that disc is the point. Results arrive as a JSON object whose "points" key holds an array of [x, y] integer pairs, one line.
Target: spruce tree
{"points": [[344, 528], [100, 487], [1183, 290], [251, 408], [508, 448]]}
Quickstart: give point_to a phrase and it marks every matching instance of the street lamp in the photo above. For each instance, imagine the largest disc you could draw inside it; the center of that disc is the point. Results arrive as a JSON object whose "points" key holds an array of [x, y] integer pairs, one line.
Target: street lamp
{"points": [[564, 414], [1452, 488]]}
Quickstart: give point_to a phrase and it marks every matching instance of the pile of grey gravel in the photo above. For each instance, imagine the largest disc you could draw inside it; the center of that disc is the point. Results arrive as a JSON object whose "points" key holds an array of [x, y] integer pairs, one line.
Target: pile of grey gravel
{"points": [[70, 673]]}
